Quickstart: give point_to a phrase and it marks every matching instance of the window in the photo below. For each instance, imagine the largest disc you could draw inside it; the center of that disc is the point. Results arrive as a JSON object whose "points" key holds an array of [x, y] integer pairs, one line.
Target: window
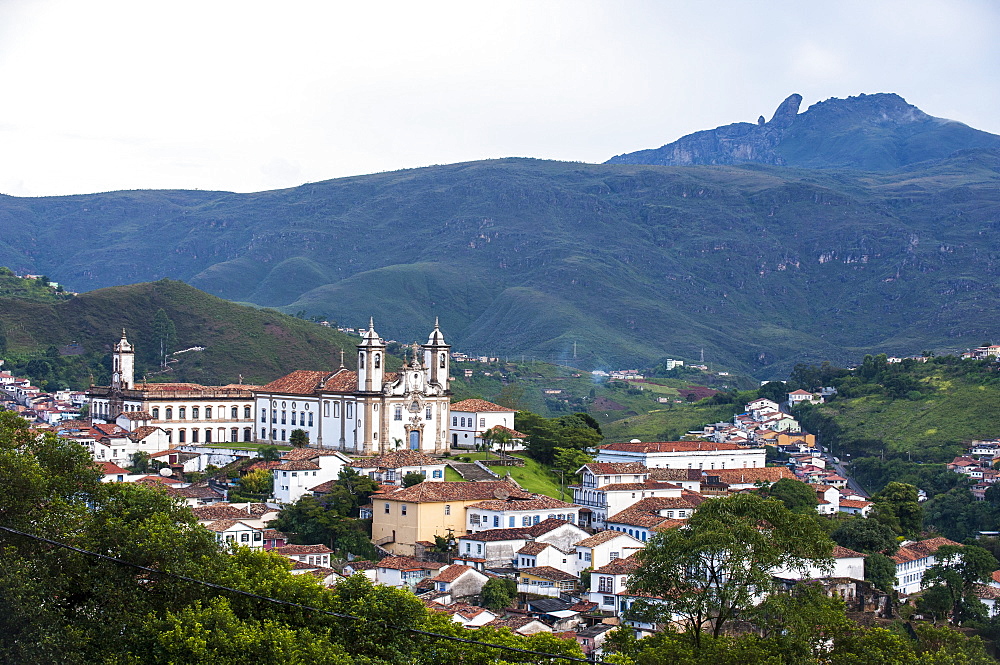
{"points": [[482, 422], [263, 433], [169, 413], [336, 409], [526, 521], [479, 548], [310, 419], [535, 519], [402, 509], [609, 600], [587, 556], [427, 412], [496, 521], [284, 415], [510, 522], [194, 436], [274, 416], [468, 548], [614, 555], [244, 537], [283, 435], [246, 435], [156, 413], [361, 361], [208, 413], [606, 585], [208, 436], [474, 519], [444, 359], [387, 509], [350, 409], [398, 413], [463, 422], [293, 417], [378, 360], [181, 413], [438, 473], [180, 435], [234, 435], [447, 509], [263, 416], [454, 421], [194, 413]]}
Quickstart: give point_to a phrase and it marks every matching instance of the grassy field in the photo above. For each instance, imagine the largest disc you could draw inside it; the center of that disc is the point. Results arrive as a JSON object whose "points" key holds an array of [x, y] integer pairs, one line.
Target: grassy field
{"points": [[668, 423], [533, 477]]}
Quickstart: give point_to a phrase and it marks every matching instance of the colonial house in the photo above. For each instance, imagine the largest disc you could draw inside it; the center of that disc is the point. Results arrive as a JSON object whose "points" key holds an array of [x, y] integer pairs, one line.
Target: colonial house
{"points": [[187, 412], [514, 511], [545, 581], [846, 563], [471, 417], [368, 411], [912, 561], [683, 455], [404, 572], [391, 468], [236, 532], [732, 480], [304, 468], [799, 396], [402, 518], [317, 555], [535, 554], [497, 548], [456, 582], [604, 547], [654, 513], [609, 585]]}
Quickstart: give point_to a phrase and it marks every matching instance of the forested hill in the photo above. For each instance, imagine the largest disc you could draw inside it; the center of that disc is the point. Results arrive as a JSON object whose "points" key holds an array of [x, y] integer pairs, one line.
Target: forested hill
{"points": [[760, 266], [235, 340]]}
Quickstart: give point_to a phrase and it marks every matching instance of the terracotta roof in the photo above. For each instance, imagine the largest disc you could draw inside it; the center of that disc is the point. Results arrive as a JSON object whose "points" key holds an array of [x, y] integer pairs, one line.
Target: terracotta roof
{"points": [[195, 492], [344, 381], [260, 465], [645, 512], [602, 537], [514, 434], [669, 446], [613, 468], [407, 563], [452, 573], [478, 406], [585, 606], [308, 453], [624, 566], [537, 502], [767, 474], [429, 491], [299, 382], [273, 534], [516, 533], [800, 392], [229, 511], [548, 573], [844, 553], [648, 485], [854, 503], [140, 433], [396, 460], [515, 623], [920, 549], [984, 591], [223, 525], [362, 565], [533, 548], [995, 576], [137, 415], [109, 429], [297, 465], [159, 480], [674, 474], [108, 468], [295, 550]]}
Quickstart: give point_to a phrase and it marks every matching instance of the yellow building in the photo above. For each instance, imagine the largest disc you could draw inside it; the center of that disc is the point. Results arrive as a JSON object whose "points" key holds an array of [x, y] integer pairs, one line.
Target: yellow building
{"points": [[786, 439], [405, 517]]}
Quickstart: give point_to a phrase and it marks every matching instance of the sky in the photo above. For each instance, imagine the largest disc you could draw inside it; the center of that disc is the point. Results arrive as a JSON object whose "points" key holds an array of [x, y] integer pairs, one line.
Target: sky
{"points": [[249, 96]]}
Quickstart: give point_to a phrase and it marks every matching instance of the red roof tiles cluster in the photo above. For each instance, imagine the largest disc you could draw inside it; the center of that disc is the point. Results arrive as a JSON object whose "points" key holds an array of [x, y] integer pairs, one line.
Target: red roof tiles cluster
{"points": [[613, 468], [479, 406], [395, 460], [669, 446], [429, 491]]}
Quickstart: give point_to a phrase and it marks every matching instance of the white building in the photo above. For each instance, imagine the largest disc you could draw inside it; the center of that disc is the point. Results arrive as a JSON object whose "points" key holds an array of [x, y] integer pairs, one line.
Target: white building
{"points": [[471, 417], [368, 411], [391, 468], [683, 455], [604, 547], [304, 468], [514, 512], [912, 561], [187, 412]]}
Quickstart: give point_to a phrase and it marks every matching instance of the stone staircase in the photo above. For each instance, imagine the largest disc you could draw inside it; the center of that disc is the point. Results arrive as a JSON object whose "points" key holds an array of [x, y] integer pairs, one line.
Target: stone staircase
{"points": [[471, 471]]}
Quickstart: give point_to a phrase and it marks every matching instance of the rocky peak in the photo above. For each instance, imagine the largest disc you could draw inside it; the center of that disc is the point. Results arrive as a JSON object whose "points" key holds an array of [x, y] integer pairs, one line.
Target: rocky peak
{"points": [[785, 114]]}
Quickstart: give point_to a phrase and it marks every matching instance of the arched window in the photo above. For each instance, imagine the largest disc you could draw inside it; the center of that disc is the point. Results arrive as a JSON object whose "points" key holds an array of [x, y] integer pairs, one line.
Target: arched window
{"points": [[156, 413], [194, 413], [208, 413], [169, 413], [246, 434], [361, 361], [208, 436], [181, 435], [310, 419], [378, 360], [234, 412], [182, 413], [444, 360], [246, 413], [336, 409], [302, 418], [194, 436], [234, 435]]}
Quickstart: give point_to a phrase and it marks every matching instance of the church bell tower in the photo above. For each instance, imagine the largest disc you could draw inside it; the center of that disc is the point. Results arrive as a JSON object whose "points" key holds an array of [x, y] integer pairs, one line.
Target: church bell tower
{"points": [[436, 358], [371, 360], [123, 359]]}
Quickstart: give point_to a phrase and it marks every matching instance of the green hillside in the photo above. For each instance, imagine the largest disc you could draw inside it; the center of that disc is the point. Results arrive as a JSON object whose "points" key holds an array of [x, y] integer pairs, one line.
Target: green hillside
{"points": [[758, 266], [259, 344]]}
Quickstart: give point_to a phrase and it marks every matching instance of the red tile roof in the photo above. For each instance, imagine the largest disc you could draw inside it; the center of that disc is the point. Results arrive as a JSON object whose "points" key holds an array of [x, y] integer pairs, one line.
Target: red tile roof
{"points": [[614, 468], [533, 548], [344, 381], [516, 533], [624, 566], [767, 474], [407, 563], [549, 573], [452, 573], [602, 537], [479, 406], [429, 491], [669, 446], [537, 502], [396, 460], [296, 550], [108, 468], [299, 382]]}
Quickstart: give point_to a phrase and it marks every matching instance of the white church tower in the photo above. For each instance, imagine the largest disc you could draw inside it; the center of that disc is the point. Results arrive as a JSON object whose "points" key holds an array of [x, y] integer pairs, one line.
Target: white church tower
{"points": [[123, 359], [371, 360], [436, 358]]}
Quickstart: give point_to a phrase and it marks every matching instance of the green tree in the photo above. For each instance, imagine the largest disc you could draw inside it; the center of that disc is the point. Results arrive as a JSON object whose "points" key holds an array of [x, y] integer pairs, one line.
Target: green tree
{"points": [[270, 453], [954, 575], [880, 570], [866, 536], [715, 567], [299, 438], [164, 339], [498, 593], [897, 507], [139, 462], [413, 478], [797, 496], [258, 481]]}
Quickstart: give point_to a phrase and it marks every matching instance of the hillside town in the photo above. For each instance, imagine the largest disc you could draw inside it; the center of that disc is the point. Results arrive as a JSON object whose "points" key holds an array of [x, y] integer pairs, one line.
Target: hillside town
{"points": [[442, 526]]}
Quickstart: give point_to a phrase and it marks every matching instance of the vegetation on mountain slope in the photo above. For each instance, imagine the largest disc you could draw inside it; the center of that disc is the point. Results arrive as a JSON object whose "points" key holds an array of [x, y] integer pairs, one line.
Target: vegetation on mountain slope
{"points": [[632, 263]]}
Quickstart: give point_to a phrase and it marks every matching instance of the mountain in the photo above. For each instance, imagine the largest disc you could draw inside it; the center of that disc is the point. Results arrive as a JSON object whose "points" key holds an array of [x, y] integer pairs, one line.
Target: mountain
{"points": [[599, 266], [260, 344], [871, 132]]}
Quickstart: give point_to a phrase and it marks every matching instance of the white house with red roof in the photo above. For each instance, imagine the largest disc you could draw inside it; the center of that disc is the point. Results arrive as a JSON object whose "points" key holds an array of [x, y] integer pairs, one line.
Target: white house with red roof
{"points": [[534, 554], [471, 417], [317, 555], [912, 561], [706, 455], [301, 469], [505, 513], [604, 547], [455, 582], [391, 468], [405, 572], [799, 396]]}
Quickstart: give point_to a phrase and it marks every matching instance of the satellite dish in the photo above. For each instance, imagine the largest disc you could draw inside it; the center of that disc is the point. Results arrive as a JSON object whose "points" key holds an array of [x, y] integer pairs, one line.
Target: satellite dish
{"points": [[501, 493], [635, 441], [166, 472]]}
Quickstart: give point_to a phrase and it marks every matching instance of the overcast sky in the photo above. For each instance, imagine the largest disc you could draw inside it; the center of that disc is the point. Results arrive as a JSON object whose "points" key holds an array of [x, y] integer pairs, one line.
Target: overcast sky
{"points": [[248, 96]]}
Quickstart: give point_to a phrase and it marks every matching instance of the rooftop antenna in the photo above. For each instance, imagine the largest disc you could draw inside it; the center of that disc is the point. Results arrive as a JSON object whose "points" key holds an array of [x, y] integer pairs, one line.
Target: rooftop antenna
{"points": [[574, 350], [702, 355], [341, 359]]}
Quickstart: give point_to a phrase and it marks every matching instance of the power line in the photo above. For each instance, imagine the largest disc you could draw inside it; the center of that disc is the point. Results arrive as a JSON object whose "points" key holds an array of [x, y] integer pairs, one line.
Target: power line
{"points": [[289, 603]]}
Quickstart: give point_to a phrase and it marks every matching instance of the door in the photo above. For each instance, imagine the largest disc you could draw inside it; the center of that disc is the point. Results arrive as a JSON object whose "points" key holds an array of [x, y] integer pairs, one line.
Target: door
{"points": [[415, 440]]}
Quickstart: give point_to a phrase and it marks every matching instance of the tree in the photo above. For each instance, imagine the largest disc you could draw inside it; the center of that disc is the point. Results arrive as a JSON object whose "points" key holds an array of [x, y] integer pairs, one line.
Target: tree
{"points": [[164, 337], [897, 507], [270, 453], [497, 436], [776, 391], [867, 536], [880, 570], [716, 566], [258, 481], [498, 593], [413, 478], [956, 572], [795, 494], [139, 462], [299, 438]]}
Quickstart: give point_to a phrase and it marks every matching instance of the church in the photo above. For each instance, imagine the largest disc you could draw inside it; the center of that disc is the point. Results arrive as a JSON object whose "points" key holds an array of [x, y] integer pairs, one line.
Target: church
{"points": [[368, 411]]}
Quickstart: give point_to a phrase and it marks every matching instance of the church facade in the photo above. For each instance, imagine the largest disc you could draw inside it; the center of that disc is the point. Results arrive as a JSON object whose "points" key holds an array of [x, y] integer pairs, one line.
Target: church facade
{"points": [[368, 411]]}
